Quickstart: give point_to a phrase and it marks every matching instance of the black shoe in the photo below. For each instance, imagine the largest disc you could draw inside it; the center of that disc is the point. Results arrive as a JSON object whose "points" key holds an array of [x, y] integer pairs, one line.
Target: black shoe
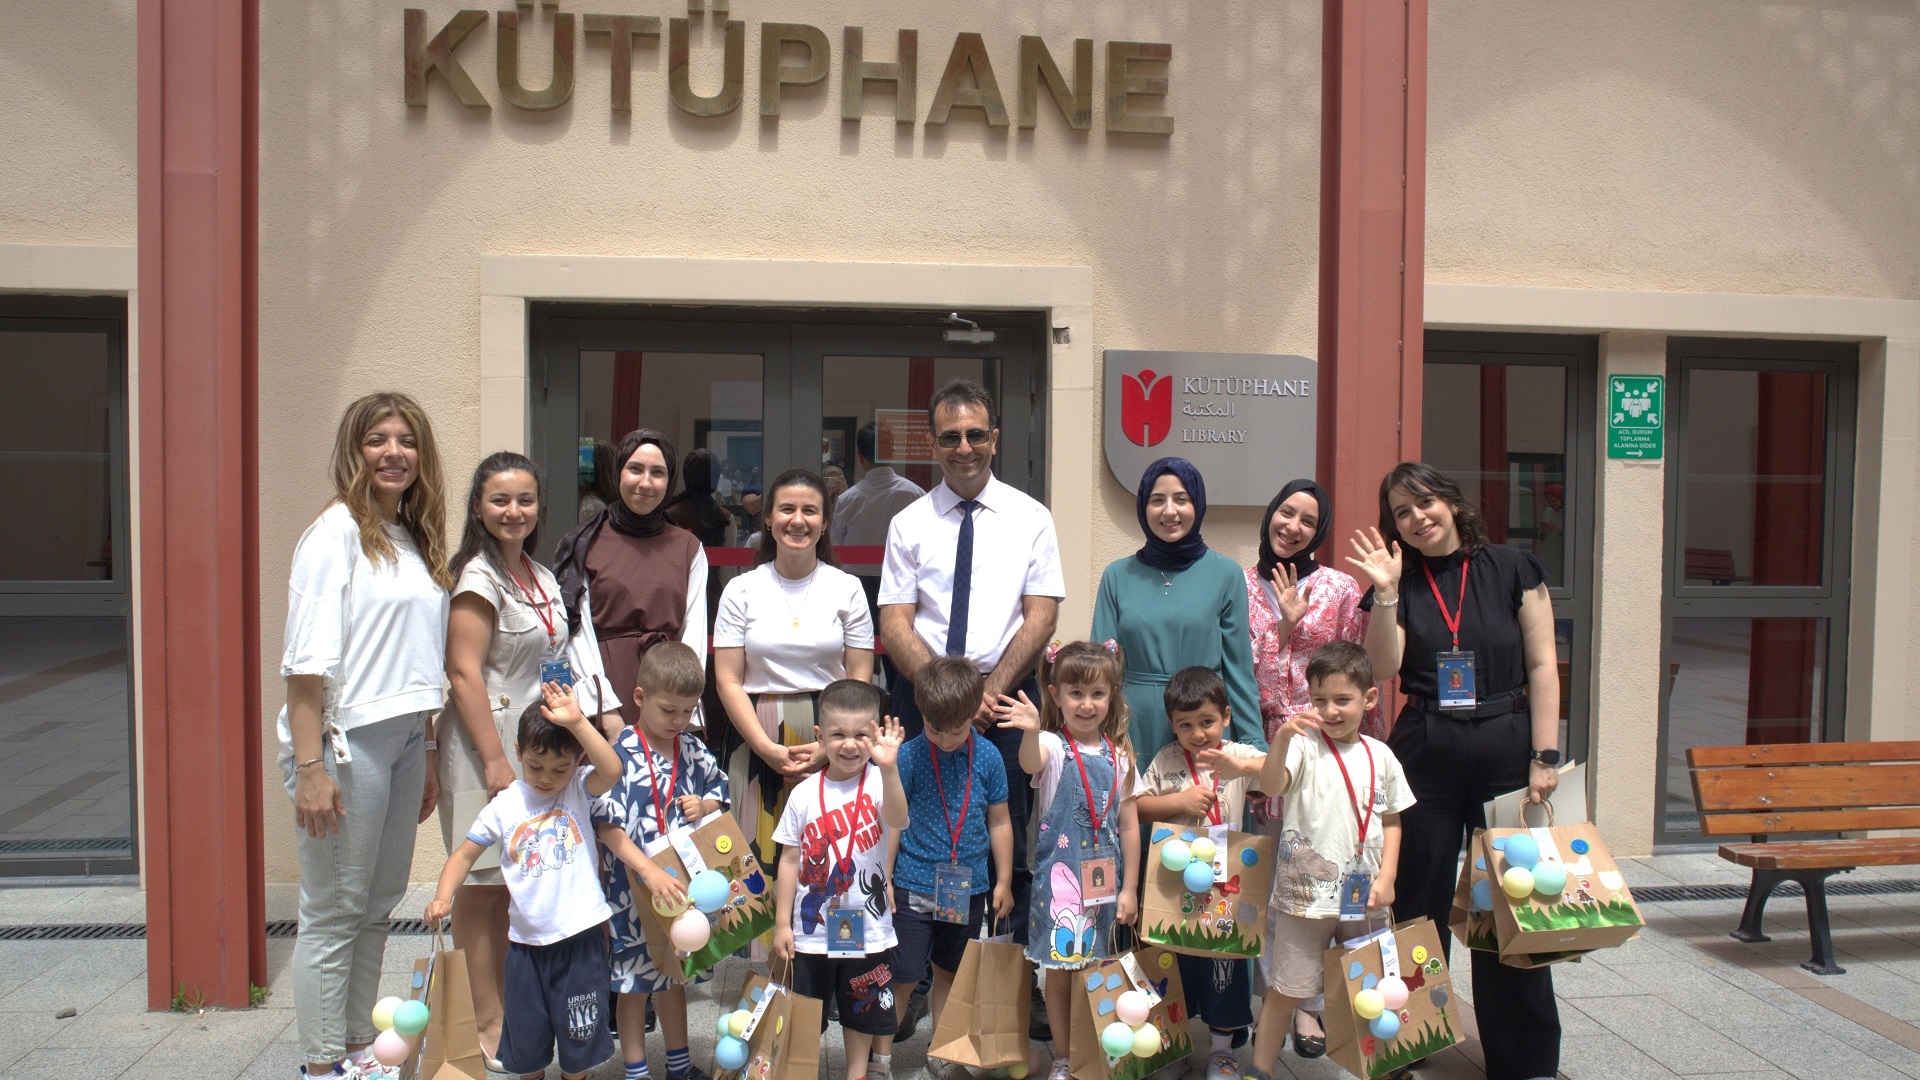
{"points": [[916, 1012], [652, 1020], [833, 1008], [1309, 1046], [693, 1073], [1039, 1028]]}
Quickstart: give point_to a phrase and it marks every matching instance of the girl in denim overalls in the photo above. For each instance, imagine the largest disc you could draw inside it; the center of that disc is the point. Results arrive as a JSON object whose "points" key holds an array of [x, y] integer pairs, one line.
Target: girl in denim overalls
{"points": [[1086, 854]]}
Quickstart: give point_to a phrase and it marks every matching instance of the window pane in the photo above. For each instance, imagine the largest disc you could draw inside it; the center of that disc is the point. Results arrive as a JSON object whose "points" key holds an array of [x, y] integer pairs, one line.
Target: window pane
{"points": [[1735, 682], [56, 448], [1501, 432], [63, 718], [1756, 477]]}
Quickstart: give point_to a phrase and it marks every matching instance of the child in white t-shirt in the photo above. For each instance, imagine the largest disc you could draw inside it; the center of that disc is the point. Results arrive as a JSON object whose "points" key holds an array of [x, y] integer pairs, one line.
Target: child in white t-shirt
{"points": [[557, 958], [1343, 793], [839, 935]]}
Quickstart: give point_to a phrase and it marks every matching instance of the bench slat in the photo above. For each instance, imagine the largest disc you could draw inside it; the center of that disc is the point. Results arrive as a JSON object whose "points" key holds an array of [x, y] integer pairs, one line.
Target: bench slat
{"points": [[1824, 854], [1806, 787], [1833, 753], [1805, 821]]}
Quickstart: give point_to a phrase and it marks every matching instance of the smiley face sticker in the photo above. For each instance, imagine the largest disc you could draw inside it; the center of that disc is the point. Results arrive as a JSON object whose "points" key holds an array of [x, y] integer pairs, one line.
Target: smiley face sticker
{"points": [[1419, 954], [1166, 960], [723, 844]]}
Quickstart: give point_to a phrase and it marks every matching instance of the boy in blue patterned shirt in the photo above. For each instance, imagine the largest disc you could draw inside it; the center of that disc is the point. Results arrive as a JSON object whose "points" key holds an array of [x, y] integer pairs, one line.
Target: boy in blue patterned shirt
{"points": [[668, 780]]}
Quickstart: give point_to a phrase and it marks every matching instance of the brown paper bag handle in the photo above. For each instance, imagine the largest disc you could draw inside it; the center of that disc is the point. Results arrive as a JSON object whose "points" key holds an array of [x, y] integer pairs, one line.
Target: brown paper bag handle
{"points": [[775, 963], [1525, 803]]}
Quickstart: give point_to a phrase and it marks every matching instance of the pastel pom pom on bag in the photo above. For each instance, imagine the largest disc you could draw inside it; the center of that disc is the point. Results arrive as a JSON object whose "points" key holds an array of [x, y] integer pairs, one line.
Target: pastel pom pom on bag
{"points": [[1390, 1000], [984, 1023], [734, 897], [1206, 890], [779, 1030], [1472, 917], [449, 1048], [1098, 991], [1556, 890]]}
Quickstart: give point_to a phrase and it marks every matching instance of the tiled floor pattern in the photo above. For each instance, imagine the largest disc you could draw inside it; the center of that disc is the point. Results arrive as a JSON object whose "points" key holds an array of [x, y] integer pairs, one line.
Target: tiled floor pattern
{"points": [[63, 719], [1677, 1002]]}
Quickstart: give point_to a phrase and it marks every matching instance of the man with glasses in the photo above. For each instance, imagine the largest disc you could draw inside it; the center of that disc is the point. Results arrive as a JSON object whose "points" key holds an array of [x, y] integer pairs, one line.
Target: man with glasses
{"points": [[973, 570]]}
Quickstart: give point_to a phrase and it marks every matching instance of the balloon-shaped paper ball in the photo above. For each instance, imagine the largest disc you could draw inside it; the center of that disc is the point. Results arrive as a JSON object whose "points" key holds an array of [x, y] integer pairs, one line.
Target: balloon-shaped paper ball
{"points": [[391, 1048], [690, 931], [1203, 848], [737, 1022], [669, 907], [1175, 855], [1133, 1008], [720, 1028], [1369, 1004], [1522, 850], [1146, 1041], [410, 1018], [1483, 895], [1198, 876], [1116, 1039], [1393, 991], [730, 1053], [1549, 879], [1384, 1026], [1017, 1071], [1517, 881], [383, 1013], [708, 890]]}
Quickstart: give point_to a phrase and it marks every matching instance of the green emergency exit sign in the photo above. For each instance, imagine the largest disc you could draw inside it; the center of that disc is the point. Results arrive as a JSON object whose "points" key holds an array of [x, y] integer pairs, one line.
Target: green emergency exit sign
{"points": [[1636, 417]]}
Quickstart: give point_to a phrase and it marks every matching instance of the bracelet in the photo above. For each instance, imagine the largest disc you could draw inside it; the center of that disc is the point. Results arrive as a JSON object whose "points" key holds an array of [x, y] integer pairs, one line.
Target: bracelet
{"points": [[311, 761], [1377, 602]]}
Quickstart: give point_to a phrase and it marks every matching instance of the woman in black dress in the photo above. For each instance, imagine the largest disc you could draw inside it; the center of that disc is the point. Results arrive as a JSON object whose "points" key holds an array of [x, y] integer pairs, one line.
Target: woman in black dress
{"points": [[1466, 733]]}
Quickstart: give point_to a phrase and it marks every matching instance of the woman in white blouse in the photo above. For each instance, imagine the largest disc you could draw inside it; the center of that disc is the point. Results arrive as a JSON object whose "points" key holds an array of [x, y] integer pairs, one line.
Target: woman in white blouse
{"points": [[508, 624], [365, 652], [786, 629]]}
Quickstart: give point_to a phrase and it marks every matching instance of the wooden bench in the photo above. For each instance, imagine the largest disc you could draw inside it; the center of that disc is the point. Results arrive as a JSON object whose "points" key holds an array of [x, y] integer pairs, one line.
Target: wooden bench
{"points": [[1798, 788]]}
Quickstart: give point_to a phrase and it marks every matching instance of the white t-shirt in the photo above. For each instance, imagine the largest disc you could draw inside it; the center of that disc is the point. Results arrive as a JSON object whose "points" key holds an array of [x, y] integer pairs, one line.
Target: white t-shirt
{"points": [[851, 824], [549, 859], [1320, 840], [376, 632], [1016, 554], [758, 610], [1047, 780], [1170, 774]]}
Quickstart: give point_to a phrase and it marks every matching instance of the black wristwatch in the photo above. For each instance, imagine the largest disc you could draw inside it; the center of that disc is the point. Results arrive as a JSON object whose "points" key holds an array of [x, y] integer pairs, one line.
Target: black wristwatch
{"points": [[1549, 758]]}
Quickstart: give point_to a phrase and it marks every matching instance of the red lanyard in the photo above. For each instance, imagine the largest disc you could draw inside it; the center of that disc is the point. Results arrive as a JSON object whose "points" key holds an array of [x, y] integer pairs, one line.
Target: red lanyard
{"points": [[1365, 818], [673, 778], [540, 609], [1074, 745], [1453, 620], [858, 792], [1213, 812], [965, 797]]}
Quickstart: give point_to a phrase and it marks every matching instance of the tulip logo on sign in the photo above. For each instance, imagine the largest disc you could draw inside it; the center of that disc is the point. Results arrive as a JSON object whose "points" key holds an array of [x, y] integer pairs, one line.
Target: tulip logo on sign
{"points": [[1146, 407]]}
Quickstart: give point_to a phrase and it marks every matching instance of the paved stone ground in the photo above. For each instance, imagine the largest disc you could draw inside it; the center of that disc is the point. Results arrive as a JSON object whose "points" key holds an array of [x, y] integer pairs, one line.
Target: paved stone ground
{"points": [[1681, 1001]]}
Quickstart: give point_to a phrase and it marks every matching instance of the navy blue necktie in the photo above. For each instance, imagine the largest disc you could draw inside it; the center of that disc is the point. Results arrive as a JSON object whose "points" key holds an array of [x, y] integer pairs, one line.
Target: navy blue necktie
{"points": [[962, 580]]}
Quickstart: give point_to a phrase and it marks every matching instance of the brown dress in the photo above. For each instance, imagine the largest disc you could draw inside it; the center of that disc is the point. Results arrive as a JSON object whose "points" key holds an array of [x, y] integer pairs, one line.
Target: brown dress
{"points": [[639, 590]]}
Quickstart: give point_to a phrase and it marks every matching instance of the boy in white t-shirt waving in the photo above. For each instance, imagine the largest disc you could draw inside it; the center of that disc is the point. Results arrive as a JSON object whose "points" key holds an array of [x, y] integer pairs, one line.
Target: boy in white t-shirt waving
{"points": [[557, 958], [1343, 793], [833, 862]]}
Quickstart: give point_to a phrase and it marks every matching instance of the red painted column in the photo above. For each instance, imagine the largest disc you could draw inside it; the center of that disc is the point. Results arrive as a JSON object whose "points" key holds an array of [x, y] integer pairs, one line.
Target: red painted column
{"points": [[1373, 145], [199, 506]]}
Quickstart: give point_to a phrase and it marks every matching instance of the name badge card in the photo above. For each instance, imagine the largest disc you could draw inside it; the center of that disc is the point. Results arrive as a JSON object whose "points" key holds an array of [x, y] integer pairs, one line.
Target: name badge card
{"points": [[846, 932], [952, 892], [1354, 890], [557, 671], [1456, 680], [1096, 883]]}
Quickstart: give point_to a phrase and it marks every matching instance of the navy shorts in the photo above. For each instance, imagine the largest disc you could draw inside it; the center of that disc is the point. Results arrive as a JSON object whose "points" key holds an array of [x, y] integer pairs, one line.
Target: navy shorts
{"points": [[924, 938], [863, 985], [557, 994], [1219, 991]]}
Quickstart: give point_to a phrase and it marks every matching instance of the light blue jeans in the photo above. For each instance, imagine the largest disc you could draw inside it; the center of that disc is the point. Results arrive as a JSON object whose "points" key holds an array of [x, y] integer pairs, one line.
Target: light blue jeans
{"points": [[350, 881]]}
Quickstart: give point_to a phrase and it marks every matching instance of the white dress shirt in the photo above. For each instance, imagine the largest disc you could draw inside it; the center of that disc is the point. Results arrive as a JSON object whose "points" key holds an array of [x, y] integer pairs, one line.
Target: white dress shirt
{"points": [[863, 512], [1015, 555]]}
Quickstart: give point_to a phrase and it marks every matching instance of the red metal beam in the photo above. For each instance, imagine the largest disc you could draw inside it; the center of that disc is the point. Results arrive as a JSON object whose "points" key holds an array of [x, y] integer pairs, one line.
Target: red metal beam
{"points": [[1373, 147], [199, 503]]}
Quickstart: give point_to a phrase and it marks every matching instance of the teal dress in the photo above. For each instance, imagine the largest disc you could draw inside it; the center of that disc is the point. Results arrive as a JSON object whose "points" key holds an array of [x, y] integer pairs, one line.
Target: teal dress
{"points": [[1168, 620]]}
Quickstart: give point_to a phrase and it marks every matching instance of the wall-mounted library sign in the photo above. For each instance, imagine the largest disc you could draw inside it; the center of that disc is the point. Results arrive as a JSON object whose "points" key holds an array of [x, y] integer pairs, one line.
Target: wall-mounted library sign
{"points": [[1246, 420]]}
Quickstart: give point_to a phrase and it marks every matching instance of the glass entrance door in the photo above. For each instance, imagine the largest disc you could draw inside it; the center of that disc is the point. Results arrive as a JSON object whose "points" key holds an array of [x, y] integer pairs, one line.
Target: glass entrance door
{"points": [[66, 780], [1759, 497]]}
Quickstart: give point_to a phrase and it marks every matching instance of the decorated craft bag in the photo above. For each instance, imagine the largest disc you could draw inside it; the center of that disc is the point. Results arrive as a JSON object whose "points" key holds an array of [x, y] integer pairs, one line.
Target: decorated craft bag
{"points": [[1206, 890], [1472, 918], [1555, 890], [1130, 1016], [430, 1034], [1389, 1000], [728, 900], [984, 1022], [771, 1033]]}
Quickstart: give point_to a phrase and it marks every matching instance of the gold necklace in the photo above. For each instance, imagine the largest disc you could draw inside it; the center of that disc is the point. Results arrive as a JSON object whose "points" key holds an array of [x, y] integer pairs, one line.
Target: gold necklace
{"points": [[806, 592]]}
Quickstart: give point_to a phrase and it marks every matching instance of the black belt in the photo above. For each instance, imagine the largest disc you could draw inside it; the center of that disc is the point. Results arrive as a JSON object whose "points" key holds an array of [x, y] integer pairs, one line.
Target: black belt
{"points": [[1498, 705]]}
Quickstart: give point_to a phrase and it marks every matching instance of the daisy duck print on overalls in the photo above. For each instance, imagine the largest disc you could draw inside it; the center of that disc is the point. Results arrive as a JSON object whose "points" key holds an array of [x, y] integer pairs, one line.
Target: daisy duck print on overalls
{"points": [[1077, 861]]}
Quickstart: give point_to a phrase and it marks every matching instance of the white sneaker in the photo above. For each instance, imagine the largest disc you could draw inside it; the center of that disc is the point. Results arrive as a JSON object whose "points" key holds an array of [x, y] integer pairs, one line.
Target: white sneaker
{"points": [[1062, 1070]]}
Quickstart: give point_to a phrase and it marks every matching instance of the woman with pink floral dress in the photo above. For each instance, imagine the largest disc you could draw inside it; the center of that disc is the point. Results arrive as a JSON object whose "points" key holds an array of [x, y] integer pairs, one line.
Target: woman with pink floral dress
{"points": [[1294, 606]]}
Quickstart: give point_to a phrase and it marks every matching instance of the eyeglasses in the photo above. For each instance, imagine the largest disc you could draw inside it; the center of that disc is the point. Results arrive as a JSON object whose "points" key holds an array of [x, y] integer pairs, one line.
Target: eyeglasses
{"points": [[974, 437]]}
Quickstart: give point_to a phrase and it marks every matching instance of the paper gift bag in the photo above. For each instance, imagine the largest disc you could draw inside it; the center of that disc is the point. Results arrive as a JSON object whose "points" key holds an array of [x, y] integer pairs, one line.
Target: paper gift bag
{"points": [[1428, 1022], [1230, 918], [984, 1023], [450, 1047], [1572, 898], [1472, 918], [716, 844], [783, 1036], [1096, 991]]}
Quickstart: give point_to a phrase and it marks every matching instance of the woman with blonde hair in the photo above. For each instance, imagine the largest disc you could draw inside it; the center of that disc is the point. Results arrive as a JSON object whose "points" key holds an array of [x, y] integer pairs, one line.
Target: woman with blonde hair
{"points": [[364, 660]]}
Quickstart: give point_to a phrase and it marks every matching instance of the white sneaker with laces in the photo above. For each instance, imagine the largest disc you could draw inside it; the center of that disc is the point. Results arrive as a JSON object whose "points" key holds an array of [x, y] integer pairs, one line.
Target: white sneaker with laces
{"points": [[1062, 1070]]}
